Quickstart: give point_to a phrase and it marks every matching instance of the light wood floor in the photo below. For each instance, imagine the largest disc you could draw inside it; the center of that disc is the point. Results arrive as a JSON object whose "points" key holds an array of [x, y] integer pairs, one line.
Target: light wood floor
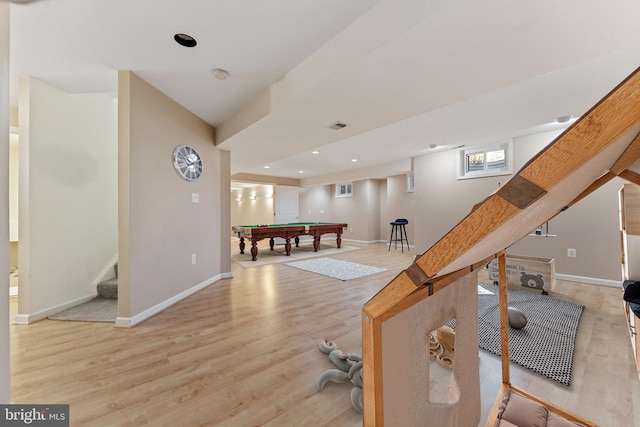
{"points": [[243, 352]]}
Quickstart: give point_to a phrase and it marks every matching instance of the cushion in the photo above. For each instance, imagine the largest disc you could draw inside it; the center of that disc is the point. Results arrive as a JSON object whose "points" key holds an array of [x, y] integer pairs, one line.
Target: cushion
{"points": [[524, 412], [503, 423], [635, 308], [557, 421], [631, 291]]}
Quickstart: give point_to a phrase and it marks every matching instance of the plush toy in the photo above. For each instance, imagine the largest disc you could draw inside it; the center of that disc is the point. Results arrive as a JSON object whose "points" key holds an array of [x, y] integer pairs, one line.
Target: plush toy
{"points": [[349, 370], [441, 346]]}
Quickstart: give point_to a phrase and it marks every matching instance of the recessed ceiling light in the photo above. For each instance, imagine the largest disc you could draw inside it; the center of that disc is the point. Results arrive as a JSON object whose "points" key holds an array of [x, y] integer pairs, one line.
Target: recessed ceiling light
{"points": [[563, 119], [267, 167], [432, 146], [354, 160], [185, 40], [220, 74], [315, 152], [300, 171]]}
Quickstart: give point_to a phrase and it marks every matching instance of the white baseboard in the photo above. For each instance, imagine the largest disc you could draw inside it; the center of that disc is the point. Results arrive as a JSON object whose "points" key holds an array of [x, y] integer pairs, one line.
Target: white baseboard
{"points": [[365, 242], [589, 280], [128, 322], [25, 319]]}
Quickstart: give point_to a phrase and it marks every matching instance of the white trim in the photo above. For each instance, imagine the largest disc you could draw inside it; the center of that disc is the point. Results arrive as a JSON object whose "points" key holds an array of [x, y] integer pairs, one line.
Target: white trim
{"points": [[590, 280], [366, 242], [128, 322], [26, 319]]}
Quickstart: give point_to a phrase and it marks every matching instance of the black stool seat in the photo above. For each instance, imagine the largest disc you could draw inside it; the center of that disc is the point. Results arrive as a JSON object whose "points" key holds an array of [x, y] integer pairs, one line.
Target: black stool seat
{"points": [[399, 226]]}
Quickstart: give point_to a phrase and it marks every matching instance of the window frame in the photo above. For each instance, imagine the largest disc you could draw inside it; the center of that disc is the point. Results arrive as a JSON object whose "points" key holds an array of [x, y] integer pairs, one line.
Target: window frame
{"points": [[411, 182], [348, 187], [465, 152]]}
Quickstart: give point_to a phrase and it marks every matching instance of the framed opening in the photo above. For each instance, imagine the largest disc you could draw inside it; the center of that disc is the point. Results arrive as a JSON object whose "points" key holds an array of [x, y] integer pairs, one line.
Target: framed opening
{"points": [[344, 189], [485, 160]]}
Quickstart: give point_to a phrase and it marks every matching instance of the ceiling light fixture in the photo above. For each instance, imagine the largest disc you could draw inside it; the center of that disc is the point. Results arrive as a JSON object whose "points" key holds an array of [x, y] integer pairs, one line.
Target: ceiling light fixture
{"points": [[315, 152], [267, 167], [354, 160], [563, 119], [337, 126], [300, 171], [433, 146], [220, 74], [185, 40]]}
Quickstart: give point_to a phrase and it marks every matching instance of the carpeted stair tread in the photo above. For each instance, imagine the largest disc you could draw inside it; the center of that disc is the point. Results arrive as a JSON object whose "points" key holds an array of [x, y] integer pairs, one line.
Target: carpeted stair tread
{"points": [[108, 289]]}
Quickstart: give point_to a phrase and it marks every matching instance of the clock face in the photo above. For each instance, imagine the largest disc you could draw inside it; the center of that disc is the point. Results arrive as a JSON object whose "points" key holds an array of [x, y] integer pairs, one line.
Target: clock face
{"points": [[187, 162]]}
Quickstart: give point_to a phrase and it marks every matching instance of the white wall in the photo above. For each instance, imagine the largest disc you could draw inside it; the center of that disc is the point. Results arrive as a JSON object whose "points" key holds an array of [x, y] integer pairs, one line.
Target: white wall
{"points": [[5, 372], [68, 196]]}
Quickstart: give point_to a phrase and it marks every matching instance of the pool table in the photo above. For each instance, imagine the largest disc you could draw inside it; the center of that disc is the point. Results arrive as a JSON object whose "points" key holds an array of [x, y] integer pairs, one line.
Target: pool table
{"points": [[286, 231]]}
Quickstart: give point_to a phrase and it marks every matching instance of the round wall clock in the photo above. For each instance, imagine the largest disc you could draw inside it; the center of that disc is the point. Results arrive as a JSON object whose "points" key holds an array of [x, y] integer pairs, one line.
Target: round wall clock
{"points": [[187, 162]]}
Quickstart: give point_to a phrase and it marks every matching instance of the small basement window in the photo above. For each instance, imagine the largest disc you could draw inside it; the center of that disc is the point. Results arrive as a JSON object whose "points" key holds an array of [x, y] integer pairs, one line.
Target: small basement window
{"points": [[485, 160], [344, 189]]}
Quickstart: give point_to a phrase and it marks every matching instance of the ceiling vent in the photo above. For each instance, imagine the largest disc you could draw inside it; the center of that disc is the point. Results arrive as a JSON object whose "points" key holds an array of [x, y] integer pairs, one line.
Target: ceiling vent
{"points": [[337, 126]]}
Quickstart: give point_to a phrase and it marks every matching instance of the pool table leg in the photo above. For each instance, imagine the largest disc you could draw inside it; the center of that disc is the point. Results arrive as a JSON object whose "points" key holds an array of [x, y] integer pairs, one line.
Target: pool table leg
{"points": [[271, 243], [316, 242], [338, 240], [242, 245], [254, 250], [297, 240], [287, 246]]}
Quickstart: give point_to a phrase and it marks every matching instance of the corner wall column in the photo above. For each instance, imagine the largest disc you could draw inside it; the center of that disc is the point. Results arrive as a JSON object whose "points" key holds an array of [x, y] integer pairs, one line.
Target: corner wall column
{"points": [[5, 369]]}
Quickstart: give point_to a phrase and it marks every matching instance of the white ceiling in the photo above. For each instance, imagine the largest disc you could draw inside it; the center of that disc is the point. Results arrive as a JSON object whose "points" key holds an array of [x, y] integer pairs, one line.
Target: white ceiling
{"points": [[403, 74]]}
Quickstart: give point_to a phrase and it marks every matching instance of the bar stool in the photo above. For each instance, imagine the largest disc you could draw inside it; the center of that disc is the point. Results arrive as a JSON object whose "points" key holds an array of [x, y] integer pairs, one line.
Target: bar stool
{"points": [[399, 226]]}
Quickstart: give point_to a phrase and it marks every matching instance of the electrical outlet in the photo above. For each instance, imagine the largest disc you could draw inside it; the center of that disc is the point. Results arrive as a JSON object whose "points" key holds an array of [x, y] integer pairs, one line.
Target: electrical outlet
{"points": [[571, 253], [193, 258]]}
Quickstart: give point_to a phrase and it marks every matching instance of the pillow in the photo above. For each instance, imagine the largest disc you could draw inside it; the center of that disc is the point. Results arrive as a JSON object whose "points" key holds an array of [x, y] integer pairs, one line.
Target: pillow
{"points": [[524, 412], [503, 423], [555, 420], [631, 291], [635, 308]]}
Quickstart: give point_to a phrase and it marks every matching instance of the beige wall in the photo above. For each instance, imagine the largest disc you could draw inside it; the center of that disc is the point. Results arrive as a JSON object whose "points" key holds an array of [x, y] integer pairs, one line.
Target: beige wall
{"points": [[13, 256], [5, 372], [160, 226], [399, 204], [316, 203], [68, 196], [248, 211], [590, 226], [361, 211], [13, 187]]}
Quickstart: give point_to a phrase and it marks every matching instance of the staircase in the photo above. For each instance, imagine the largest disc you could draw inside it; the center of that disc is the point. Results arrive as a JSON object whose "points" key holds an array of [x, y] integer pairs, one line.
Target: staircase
{"points": [[108, 289]]}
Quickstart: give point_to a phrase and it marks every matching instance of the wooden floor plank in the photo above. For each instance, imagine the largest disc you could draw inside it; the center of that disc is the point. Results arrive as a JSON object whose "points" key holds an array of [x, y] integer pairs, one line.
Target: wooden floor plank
{"points": [[244, 351]]}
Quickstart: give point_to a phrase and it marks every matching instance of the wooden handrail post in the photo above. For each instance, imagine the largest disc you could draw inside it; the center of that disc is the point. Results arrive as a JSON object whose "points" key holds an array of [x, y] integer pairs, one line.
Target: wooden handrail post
{"points": [[504, 319]]}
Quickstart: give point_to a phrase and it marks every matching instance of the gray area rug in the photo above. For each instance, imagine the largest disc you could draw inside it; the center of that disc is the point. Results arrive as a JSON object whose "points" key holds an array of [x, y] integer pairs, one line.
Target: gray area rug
{"points": [[97, 310], [546, 344], [342, 270]]}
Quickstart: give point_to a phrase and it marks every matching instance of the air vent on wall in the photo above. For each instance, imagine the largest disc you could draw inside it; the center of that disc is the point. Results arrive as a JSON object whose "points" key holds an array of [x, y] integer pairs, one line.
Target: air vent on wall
{"points": [[337, 126]]}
